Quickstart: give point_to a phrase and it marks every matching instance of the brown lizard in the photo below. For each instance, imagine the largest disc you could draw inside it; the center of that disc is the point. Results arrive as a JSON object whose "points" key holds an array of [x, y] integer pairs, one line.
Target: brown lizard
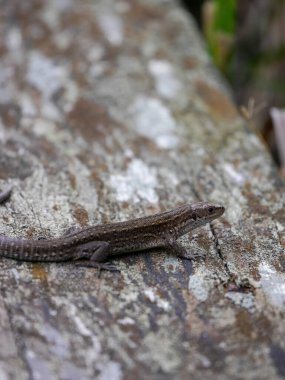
{"points": [[97, 244]]}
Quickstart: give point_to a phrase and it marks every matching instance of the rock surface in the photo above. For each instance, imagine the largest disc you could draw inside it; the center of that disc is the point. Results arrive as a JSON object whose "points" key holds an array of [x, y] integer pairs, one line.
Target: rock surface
{"points": [[111, 110]]}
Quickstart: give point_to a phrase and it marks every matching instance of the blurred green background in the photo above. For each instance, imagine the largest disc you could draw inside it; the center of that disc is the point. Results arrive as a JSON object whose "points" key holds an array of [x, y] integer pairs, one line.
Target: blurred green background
{"points": [[246, 41]]}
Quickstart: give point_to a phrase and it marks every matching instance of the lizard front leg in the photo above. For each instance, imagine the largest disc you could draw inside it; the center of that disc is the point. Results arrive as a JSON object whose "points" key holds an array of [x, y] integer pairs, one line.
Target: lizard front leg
{"points": [[98, 253]]}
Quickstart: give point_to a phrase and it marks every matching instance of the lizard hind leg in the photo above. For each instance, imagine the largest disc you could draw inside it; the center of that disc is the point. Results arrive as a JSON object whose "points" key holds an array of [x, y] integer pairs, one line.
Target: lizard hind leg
{"points": [[98, 253]]}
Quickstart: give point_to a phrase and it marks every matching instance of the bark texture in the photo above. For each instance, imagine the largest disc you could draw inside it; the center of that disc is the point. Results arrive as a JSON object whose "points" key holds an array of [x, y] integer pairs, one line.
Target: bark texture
{"points": [[111, 110]]}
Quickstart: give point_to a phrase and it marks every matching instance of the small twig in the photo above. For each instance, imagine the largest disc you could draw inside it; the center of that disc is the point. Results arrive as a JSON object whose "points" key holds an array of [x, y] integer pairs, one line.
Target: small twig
{"points": [[252, 109]]}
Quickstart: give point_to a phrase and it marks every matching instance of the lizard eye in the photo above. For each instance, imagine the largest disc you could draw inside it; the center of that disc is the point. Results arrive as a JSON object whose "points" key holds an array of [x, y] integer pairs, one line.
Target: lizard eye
{"points": [[194, 216], [210, 209]]}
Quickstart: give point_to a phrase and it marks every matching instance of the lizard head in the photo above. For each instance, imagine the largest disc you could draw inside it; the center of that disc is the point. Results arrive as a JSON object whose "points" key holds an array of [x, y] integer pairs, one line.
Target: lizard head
{"points": [[198, 214]]}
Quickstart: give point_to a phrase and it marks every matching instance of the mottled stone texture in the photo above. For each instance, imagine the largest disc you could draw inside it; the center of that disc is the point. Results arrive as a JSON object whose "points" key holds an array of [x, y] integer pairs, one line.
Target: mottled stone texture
{"points": [[111, 110]]}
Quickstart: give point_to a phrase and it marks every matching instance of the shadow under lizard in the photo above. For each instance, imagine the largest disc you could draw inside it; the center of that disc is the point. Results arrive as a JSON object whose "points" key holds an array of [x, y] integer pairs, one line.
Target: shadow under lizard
{"points": [[93, 246]]}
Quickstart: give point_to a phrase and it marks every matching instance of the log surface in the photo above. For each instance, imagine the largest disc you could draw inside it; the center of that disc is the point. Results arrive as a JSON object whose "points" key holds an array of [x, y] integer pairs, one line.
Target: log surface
{"points": [[111, 110]]}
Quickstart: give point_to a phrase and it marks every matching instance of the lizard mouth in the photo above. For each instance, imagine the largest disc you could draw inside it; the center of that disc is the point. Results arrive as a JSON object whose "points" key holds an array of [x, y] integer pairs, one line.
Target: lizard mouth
{"points": [[215, 212], [220, 210]]}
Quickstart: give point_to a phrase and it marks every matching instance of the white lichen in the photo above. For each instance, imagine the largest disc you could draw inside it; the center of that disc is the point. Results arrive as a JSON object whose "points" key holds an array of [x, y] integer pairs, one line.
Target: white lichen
{"points": [[112, 27], [154, 121], [273, 284], [138, 183], [166, 83]]}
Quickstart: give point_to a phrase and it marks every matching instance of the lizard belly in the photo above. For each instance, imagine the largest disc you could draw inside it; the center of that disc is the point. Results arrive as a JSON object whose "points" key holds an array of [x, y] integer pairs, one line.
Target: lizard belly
{"points": [[136, 245]]}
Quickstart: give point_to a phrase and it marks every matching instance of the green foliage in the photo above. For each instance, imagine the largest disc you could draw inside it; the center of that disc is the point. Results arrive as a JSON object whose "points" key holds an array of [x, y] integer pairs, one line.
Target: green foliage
{"points": [[219, 28], [225, 16]]}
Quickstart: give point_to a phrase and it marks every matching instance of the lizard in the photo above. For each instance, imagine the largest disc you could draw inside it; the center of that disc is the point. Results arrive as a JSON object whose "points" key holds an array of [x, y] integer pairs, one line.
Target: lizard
{"points": [[97, 244]]}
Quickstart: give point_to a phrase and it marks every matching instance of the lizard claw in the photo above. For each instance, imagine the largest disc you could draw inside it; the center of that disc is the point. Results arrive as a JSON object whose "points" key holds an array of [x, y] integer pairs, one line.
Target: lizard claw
{"points": [[100, 266]]}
